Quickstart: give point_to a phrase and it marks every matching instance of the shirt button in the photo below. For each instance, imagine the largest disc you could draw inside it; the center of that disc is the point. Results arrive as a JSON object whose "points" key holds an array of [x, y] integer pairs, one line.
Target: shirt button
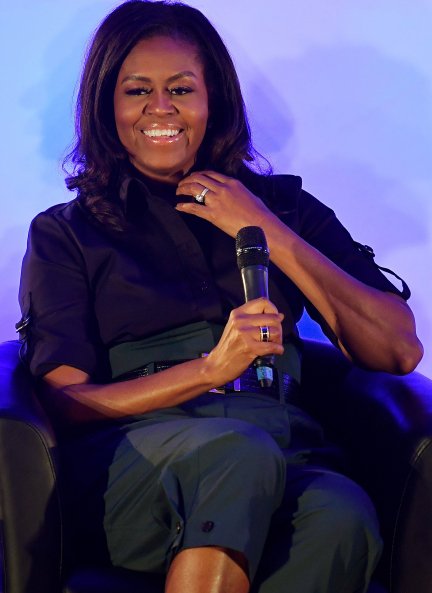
{"points": [[207, 526], [178, 527]]}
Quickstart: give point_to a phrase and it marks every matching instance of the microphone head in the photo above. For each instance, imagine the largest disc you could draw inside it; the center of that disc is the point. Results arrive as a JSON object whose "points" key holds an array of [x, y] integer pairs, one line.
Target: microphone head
{"points": [[251, 247]]}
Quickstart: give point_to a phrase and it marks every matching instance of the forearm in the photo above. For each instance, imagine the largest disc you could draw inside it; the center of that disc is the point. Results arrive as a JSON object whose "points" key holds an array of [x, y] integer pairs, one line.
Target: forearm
{"points": [[374, 328], [83, 402], [72, 395]]}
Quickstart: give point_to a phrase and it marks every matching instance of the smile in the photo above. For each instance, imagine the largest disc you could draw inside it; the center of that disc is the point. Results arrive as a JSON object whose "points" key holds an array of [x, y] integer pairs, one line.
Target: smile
{"points": [[158, 133]]}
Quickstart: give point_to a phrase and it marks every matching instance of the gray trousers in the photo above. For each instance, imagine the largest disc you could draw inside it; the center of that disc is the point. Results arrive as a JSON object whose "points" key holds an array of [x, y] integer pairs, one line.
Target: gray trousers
{"points": [[230, 472]]}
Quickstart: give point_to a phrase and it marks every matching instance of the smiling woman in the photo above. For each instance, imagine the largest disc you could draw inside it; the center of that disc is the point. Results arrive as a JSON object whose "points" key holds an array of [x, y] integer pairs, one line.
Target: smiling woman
{"points": [[137, 328], [99, 152], [161, 107]]}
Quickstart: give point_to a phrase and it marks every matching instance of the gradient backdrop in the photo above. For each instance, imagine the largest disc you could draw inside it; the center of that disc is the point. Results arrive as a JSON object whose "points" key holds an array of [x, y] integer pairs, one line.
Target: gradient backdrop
{"points": [[338, 92]]}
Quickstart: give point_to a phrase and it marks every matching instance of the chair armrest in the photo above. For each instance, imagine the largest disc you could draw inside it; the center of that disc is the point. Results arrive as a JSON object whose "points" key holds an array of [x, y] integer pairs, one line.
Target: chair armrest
{"points": [[384, 422], [29, 501]]}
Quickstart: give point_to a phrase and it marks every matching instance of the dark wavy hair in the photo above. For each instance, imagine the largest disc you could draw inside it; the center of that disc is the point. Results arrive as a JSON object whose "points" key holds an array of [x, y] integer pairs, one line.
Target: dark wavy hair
{"points": [[98, 157]]}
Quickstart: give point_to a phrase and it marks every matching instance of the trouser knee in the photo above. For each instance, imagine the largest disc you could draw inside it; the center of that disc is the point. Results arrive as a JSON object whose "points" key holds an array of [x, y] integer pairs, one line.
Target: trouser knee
{"points": [[240, 478], [351, 523], [242, 454], [346, 531]]}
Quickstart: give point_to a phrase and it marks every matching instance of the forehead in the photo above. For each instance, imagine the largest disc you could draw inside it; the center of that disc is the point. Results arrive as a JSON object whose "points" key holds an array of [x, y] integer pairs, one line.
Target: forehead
{"points": [[162, 56]]}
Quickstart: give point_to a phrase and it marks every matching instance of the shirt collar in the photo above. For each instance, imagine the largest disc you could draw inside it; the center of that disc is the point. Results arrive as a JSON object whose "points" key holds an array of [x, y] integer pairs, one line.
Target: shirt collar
{"points": [[128, 180], [133, 182]]}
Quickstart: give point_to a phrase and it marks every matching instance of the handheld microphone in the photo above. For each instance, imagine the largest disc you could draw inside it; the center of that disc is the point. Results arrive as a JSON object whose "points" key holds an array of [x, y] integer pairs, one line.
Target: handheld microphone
{"points": [[252, 261]]}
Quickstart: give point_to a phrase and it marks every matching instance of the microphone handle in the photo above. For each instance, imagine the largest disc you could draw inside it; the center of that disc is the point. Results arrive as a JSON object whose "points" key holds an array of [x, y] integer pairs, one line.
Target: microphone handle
{"points": [[255, 285], [255, 282]]}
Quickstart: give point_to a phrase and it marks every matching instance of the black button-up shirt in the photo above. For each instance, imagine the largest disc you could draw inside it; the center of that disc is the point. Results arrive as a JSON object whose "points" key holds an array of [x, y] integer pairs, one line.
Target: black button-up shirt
{"points": [[88, 288]]}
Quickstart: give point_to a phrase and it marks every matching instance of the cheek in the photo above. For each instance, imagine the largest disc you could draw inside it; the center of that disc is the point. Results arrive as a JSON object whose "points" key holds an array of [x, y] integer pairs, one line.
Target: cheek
{"points": [[125, 117], [201, 119]]}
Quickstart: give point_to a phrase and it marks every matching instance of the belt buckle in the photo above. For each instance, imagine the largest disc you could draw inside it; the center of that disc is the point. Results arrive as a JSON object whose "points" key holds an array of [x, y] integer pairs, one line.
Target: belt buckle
{"points": [[220, 390], [231, 387], [234, 386], [237, 386]]}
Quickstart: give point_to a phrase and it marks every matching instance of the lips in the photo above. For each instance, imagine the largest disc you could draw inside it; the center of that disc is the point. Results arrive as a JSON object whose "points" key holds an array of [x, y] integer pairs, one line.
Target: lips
{"points": [[161, 133]]}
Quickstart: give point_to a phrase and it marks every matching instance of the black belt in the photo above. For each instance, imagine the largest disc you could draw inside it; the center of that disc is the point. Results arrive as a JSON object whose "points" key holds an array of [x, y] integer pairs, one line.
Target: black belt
{"points": [[282, 388]]}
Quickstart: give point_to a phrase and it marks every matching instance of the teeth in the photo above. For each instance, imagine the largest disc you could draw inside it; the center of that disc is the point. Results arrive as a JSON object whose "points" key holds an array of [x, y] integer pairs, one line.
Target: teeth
{"points": [[157, 133]]}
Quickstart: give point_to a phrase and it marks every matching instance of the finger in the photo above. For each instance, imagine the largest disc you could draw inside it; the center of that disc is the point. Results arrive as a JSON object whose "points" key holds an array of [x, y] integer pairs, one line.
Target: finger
{"points": [[268, 348], [194, 208], [219, 177], [249, 338], [264, 348], [257, 321], [274, 334], [193, 189], [202, 179], [258, 328], [259, 305]]}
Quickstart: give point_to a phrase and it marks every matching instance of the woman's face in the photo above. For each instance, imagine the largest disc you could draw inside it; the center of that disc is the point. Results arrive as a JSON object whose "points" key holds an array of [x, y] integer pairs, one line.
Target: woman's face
{"points": [[161, 107]]}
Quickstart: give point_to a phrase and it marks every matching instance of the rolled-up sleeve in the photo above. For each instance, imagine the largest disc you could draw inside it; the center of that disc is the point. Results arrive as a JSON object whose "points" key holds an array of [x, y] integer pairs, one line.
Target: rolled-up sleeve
{"points": [[319, 226], [55, 296]]}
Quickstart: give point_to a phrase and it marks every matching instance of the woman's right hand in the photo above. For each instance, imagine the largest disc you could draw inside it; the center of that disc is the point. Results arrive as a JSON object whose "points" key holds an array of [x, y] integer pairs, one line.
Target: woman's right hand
{"points": [[240, 343], [76, 399]]}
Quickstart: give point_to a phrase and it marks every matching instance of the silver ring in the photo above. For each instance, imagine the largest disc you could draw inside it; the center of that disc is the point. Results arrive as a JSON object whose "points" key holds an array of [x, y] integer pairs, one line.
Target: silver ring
{"points": [[200, 198], [264, 333]]}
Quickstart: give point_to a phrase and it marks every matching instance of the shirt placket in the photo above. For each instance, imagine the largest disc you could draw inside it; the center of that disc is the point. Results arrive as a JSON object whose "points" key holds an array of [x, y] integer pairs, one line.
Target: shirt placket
{"points": [[195, 270]]}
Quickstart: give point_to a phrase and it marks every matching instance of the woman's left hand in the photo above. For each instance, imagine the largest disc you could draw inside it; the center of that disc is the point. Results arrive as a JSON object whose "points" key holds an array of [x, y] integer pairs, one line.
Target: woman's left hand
{"points": [[229, 205]]}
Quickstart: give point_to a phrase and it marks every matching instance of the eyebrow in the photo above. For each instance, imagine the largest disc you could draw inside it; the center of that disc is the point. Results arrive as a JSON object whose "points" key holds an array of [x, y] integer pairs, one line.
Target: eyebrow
{"points": [[138, 77]]}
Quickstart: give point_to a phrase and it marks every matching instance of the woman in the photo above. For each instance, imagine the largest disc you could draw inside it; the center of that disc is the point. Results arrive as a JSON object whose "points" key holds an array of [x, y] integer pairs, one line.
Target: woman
{"points": [[129, 285]]}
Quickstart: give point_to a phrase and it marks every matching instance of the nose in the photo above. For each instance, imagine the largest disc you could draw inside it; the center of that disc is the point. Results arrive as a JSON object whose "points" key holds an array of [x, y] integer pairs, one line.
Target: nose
{"points": [[159, 103]]}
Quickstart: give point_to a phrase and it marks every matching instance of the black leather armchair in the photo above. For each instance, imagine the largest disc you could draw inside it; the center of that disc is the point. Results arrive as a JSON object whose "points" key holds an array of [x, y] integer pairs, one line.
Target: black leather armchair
{"points": [[382, 422]]}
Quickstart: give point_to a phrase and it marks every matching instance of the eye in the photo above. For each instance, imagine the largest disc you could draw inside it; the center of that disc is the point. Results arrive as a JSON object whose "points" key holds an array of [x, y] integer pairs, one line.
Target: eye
{"points": [[138, 91], [180, 90]]}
